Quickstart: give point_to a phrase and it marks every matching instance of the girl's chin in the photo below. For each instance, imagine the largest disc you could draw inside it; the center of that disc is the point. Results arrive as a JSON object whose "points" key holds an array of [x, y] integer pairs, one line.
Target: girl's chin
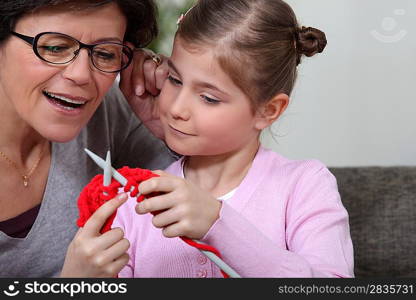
{"points": [[188, 150], [179, 150]]}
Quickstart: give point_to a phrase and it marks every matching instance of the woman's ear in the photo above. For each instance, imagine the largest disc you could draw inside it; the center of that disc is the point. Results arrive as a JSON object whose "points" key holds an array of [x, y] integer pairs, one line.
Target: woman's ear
{"points": [[271, 111]]}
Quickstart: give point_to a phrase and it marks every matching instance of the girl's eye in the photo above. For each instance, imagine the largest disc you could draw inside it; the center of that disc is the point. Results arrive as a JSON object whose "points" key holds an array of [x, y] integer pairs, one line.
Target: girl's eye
{"points": [[210, 100], [174, 81]]}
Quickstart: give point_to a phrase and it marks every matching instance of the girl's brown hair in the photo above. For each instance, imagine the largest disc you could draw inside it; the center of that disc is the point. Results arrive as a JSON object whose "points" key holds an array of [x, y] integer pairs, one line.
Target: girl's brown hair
{"points": [[258, 43]]}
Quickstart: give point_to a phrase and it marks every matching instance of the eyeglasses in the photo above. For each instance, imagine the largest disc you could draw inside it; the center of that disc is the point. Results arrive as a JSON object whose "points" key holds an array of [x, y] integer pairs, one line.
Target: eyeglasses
{"points": [[58, 48]]}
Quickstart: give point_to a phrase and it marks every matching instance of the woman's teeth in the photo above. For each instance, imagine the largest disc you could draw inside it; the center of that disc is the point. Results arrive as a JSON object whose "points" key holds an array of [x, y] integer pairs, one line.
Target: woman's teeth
{"points": [[64, 102]]}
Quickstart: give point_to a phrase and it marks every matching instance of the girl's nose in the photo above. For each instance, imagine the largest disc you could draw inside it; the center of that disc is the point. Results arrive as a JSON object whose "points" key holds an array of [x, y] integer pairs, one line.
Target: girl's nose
{"points": [[181, 106]]}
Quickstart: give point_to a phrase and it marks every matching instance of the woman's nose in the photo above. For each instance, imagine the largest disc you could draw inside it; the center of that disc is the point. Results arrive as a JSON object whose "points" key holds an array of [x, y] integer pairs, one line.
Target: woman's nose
{"points": [[79, 70]]}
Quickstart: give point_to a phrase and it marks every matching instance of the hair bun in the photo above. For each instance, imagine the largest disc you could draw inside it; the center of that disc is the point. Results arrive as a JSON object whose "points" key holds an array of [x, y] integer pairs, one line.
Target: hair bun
{"points": [[310, 41]]}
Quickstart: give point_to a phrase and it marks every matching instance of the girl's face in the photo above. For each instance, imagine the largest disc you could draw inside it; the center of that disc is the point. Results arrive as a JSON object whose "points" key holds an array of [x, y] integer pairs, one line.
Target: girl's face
{"points": [[202, 111], [27, 83]]}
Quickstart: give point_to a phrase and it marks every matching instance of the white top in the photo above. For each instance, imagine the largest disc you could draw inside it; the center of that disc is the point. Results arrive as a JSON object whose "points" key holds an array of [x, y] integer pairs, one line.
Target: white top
{"points": [[227, 196]]}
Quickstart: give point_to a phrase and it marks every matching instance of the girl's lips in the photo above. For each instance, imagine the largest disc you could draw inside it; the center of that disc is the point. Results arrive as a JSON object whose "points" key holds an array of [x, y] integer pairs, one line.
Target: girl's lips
{"points": [[177, 131]]}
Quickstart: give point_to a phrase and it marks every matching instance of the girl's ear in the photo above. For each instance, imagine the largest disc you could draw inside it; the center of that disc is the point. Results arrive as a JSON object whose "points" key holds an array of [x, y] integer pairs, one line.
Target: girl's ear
{"points": [[271, 111]]}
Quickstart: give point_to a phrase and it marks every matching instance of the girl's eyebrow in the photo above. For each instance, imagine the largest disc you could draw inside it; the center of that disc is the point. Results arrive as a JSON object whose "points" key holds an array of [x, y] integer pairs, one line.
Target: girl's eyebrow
{"points": [[172, 66], [197, 83], [210, 86]]}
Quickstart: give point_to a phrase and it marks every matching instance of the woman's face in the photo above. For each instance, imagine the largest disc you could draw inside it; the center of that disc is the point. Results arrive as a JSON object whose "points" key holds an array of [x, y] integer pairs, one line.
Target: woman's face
{"points": [[38, 93]]}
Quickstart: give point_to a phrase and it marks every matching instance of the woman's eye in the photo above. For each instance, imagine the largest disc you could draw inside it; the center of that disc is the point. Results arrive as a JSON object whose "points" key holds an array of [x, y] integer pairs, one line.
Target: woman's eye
{"points": [[174, 81], [210, 100], [54, 49], [104, 55]]}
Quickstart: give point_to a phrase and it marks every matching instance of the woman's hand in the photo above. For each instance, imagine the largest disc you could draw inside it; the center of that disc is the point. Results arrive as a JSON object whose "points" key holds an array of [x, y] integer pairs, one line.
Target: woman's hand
{"points": [[141, 83], [91, 254], [182, 210]]}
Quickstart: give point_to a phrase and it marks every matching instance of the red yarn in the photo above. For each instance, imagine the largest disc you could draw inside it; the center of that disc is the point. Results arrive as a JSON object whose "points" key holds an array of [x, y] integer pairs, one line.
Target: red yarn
{"points": [[205, 248], [92, 197]]}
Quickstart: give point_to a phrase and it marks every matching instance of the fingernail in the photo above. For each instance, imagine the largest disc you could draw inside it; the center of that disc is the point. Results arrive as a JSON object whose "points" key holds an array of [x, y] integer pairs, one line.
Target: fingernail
{"points": [[139, 90], [122, 197]]}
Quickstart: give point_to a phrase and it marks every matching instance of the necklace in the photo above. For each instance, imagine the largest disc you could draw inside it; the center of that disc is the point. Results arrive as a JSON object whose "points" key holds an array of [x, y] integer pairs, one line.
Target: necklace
{"points": [[24, 176]]}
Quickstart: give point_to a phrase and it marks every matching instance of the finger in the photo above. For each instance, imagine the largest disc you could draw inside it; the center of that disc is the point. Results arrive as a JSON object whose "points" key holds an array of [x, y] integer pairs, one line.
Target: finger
{"points": [[157, 203], [125, 83], [137, 78], [155, 113], [113, 253], [161, 173], [173, 230], [93, 226], [115, 267], [149, 71], [126, 75], [109, 238], [161, 73], [166, 218], [159, 184], [78, 233]]}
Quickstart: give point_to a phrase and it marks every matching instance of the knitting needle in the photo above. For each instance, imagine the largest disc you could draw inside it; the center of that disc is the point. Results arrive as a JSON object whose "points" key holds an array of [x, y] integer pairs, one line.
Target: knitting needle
{"points": [[101, 163], [107, 171], [219, 262], [123, 181]]}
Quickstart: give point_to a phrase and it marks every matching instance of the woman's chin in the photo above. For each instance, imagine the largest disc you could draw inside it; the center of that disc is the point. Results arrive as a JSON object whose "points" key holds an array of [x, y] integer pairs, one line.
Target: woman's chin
{"points": [[60, 135]]}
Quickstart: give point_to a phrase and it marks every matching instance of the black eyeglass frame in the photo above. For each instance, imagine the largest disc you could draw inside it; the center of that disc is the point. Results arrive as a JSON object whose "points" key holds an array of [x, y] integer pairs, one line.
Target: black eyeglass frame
{"points": [[34, 41]]}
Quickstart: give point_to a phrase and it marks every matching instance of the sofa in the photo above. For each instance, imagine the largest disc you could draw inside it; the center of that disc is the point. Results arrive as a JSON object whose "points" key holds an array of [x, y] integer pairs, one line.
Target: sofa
{"points": [[381, 202]]}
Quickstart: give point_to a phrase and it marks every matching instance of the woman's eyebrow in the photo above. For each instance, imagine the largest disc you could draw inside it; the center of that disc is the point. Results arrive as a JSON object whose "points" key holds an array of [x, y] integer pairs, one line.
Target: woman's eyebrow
{"points": [[109, 39]]}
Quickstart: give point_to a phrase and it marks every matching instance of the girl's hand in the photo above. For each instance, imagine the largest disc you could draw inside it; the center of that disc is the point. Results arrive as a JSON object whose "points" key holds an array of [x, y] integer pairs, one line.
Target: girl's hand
{"points": [[183, 210], [91, 254], [141, 83]]}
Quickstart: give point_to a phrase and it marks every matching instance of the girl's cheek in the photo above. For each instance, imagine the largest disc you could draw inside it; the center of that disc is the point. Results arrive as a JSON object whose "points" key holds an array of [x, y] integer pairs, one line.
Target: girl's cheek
{"points": [[167, 97]]}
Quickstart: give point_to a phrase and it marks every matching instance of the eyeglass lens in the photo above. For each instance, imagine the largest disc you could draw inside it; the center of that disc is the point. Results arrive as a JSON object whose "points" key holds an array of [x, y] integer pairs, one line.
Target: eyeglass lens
{"points": [[61, 49]]}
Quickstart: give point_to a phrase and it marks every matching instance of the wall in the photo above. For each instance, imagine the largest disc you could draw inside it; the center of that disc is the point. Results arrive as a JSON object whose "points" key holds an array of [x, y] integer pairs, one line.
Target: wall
{"points": [[355, 104]]}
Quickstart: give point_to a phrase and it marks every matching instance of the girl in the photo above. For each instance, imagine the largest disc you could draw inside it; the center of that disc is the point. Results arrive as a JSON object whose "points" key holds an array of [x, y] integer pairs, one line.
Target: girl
{"points": [[232, 70]]}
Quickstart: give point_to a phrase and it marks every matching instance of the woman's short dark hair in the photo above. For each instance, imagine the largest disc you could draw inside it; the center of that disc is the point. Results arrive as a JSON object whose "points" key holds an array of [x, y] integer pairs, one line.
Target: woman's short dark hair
{"points": [[140, 15]]}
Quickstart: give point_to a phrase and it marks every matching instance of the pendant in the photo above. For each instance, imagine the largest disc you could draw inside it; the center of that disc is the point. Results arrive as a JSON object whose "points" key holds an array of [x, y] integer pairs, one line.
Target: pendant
{"points": [[25, 180]]}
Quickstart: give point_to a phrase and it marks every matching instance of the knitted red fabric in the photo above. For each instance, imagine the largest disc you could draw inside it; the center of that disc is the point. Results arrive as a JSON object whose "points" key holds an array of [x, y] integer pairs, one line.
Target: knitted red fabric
{"points": [[92, 197]]}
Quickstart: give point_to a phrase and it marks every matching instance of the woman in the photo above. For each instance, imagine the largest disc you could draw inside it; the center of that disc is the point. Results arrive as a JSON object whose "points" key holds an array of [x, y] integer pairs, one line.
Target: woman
{"points": [[59, 60]]}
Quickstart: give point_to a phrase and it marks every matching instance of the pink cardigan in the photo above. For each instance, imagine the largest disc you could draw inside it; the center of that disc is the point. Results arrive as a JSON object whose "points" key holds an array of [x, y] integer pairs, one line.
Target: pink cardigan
{"points": [[285, 220]]}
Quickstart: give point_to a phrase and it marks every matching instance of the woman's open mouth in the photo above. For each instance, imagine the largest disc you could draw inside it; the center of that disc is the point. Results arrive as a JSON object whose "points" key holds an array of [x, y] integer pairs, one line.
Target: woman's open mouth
{"points": [[64, 102]]}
